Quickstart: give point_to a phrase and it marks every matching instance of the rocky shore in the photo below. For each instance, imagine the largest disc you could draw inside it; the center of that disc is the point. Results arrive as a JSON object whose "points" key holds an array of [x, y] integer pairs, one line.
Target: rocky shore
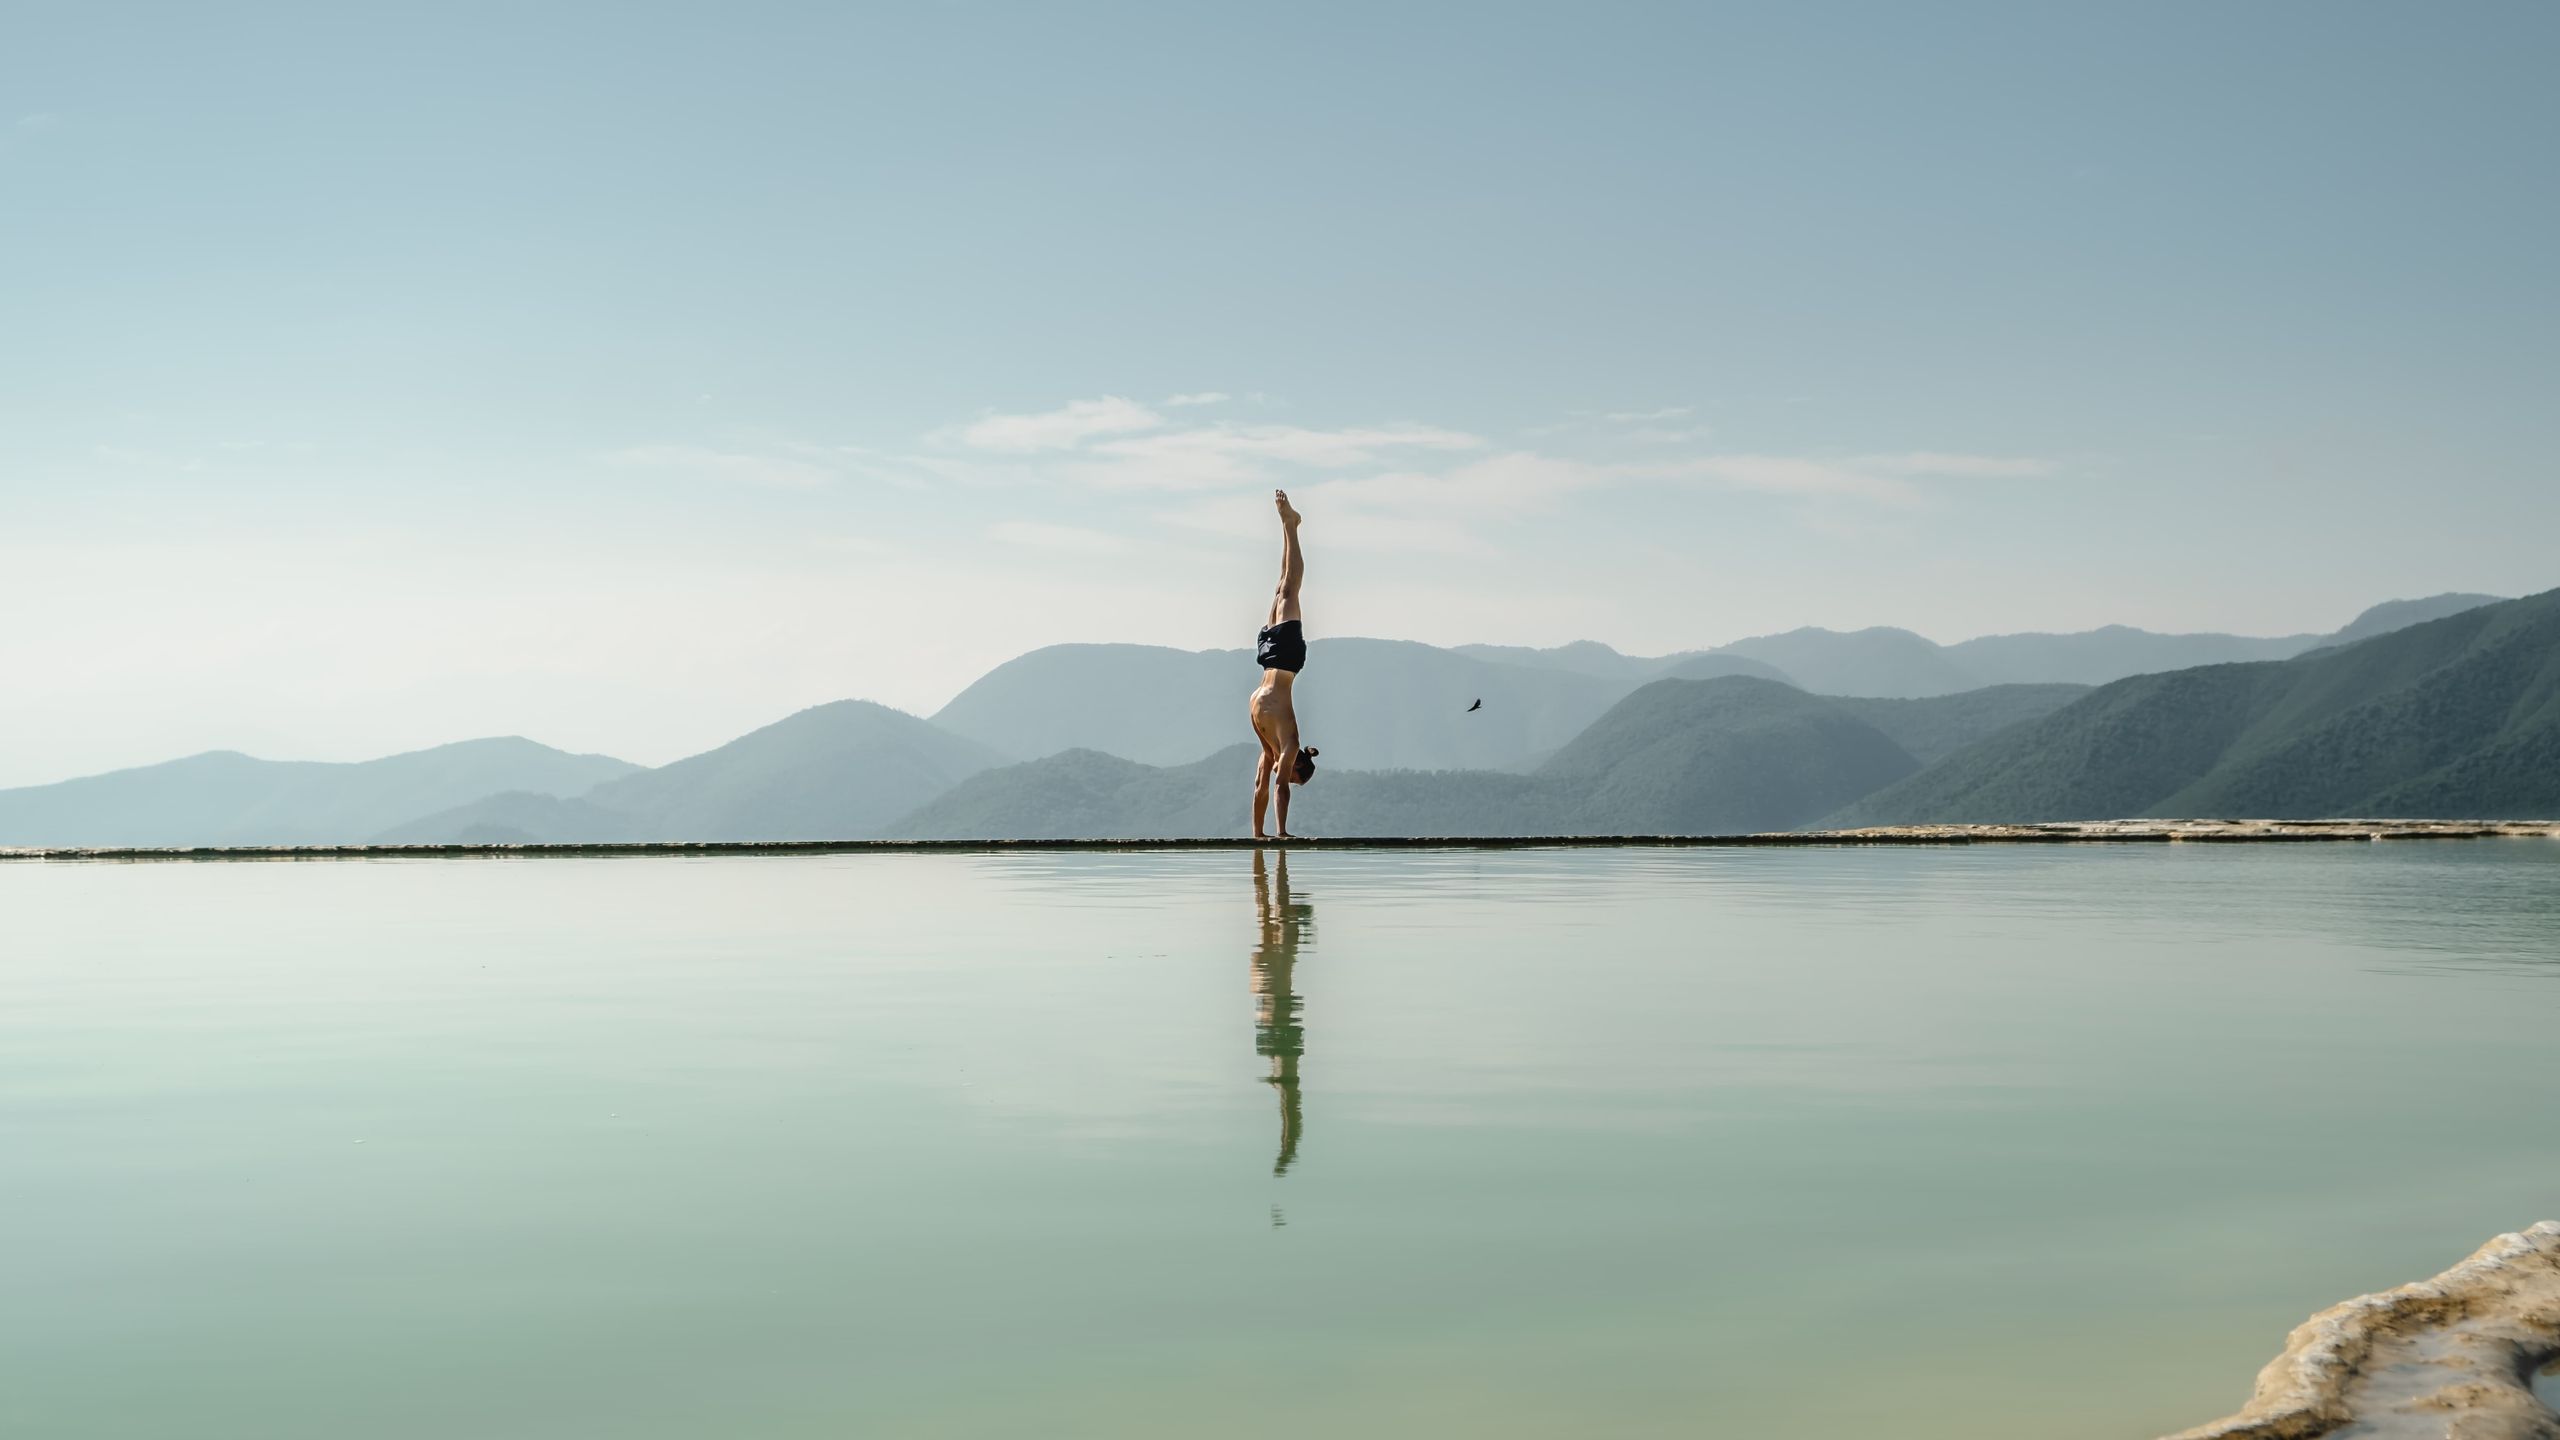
{"points": [[2062, 833], [2446, 1359]]}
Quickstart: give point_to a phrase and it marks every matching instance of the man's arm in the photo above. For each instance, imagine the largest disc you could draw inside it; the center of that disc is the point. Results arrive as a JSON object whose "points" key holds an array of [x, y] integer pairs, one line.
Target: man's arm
{"points": [[1283, 776], [1262, 794]]}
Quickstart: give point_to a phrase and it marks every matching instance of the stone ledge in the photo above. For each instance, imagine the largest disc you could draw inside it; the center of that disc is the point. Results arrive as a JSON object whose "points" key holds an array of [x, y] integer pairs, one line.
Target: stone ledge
{"points": [[2450, 1358], [2074, 832]]}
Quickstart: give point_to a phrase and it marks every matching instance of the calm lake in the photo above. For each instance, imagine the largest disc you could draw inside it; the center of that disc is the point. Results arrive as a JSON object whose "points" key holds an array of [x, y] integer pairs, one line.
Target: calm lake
{"points": [[1987, 1142]]}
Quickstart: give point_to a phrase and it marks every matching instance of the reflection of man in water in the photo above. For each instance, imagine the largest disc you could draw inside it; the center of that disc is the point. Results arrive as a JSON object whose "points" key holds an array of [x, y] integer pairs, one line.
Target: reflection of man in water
{"points": [[1276, 1032]]}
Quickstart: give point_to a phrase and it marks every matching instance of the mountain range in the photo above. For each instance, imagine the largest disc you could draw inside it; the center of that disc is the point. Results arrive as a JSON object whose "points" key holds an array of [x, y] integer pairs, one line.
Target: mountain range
{"points": [[831, 771], [2454, 717], [2458, 716], [1734, 753], [226, 798], [2426, 705], [1388, 702], [1885, 661]]}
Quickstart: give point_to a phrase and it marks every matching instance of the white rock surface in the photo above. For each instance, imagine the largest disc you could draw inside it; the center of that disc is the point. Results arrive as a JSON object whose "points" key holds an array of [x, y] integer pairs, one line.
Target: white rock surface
{"points": [[2450, 1358]]}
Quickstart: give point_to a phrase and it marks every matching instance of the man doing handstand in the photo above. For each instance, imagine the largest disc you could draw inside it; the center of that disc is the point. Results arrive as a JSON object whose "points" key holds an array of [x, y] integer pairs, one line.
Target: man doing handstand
{"points": [[1281, 649]]}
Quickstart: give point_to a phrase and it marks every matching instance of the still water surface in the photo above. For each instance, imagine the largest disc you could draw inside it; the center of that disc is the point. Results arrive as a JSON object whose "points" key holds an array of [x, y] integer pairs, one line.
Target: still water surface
{"points": [[1992, 1142]]}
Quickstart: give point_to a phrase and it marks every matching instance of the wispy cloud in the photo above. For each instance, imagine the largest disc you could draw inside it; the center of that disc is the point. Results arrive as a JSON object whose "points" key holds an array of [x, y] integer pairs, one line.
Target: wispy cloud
{"points": [[1404, 485], [1508, 484], [1201, 397], [1229, 456], [1411, 511], [1341, 521], [38, 122], [728, 466], [1064, 428]]}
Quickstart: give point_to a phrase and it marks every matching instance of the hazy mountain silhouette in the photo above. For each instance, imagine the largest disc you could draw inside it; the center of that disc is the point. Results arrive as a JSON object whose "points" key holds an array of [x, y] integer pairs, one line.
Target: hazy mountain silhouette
{"points": [[1079, 794], [1571, 738], [1708, 664], [2094, 657], [2393, 615], [1590, 657], [1376, 704], [1148, 703], [1897, 663], [836, 771], [518, 817], [2456, 717], [1085, 794], [1676, 756], [226, 798], [1880, 660]]}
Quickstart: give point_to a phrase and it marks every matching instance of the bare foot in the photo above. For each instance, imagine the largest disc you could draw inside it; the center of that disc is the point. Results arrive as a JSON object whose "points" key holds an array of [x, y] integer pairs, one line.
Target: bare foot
{"points": [[1288, 516]]}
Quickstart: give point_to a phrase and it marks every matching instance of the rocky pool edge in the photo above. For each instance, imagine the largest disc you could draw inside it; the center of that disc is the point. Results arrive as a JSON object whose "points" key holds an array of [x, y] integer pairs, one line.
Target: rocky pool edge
{"points": [[2059, 833], [2450, 1358]]}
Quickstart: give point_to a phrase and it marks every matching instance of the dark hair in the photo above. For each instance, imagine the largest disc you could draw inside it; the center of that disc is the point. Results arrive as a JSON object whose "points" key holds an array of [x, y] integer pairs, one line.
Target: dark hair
{"points": [[1306, 765]]}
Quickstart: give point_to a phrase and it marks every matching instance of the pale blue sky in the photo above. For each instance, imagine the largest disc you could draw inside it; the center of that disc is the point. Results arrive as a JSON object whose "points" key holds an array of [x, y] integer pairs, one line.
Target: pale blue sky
{"points": [[626, 376]]}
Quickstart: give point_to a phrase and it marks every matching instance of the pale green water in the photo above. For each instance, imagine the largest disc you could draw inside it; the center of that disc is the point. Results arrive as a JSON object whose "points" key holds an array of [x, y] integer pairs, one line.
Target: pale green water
{"points": [[1993, 1142]]}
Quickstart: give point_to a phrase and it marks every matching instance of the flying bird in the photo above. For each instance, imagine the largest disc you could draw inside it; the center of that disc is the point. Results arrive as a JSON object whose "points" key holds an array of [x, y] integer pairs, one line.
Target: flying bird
{"points": [[1475, 707]]}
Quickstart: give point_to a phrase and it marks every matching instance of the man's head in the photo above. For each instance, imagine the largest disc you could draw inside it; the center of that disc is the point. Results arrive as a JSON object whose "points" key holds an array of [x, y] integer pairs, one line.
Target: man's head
{"points": [[1306, 768]]}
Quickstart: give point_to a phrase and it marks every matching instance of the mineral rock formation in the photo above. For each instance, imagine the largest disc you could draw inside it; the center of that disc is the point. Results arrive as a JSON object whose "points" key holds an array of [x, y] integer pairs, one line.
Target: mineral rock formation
{"points": [[2095, 832], [2448, 1359]]}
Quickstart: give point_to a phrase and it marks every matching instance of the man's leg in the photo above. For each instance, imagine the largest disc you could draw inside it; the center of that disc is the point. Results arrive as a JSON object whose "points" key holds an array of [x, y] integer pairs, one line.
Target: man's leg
{"points": [[1293, 563]]}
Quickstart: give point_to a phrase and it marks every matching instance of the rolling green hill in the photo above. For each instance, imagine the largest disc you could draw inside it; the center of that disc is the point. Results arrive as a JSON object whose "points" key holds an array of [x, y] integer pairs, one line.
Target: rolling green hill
{"points": [[1936, 726], [1719, 757], [2455, 717], [226, 798]]}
